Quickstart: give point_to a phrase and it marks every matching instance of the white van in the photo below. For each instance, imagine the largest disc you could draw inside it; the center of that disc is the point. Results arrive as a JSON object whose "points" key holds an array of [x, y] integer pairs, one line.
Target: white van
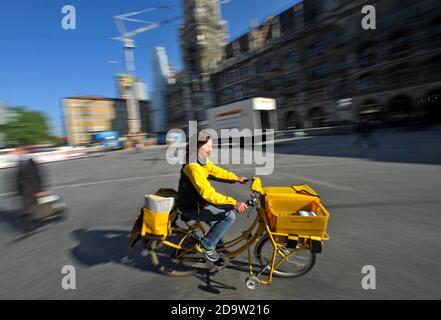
{"points": [[253, 114]]}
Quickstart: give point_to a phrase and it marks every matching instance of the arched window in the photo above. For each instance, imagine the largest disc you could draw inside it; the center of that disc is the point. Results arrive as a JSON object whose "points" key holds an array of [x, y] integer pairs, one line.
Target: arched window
{"points": [[366, 54], [317, 117], [435, 29], [400, 108], [292, 121], [366, 82], [399, 44], [291, 58], [399, 74]]}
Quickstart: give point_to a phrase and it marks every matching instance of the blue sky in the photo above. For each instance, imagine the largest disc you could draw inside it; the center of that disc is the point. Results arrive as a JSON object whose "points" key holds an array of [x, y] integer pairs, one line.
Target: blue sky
{"points": [[40, 62]]}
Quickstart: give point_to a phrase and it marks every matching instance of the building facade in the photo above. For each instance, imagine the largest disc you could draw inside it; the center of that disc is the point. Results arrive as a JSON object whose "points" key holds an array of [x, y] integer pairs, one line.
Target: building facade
{"points": [[325, 69], [176, 113], [161, 80], [123, 87], [84, 116]]}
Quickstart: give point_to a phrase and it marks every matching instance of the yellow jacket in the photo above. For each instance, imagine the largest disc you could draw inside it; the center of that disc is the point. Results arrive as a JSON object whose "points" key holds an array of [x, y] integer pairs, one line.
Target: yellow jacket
{"points": [[195, 191]]}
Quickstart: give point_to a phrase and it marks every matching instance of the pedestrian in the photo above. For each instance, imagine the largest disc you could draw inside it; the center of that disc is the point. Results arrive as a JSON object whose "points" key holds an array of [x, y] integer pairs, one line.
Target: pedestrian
{"points": [[365, 138], [138, 147], [29, 182]]}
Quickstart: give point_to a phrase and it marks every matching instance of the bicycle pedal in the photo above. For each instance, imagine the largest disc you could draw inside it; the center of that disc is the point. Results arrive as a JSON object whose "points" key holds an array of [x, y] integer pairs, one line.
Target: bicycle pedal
{"points": [[221, 264]]}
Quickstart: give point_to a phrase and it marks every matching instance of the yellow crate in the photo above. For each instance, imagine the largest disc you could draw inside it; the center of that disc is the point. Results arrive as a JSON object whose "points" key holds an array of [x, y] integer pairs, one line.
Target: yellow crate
{"points": [[282, 215]]}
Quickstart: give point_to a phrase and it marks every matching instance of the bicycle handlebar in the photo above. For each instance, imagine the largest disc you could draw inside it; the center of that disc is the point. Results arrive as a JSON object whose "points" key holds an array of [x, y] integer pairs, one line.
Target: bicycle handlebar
{"points": [[253, 201]]}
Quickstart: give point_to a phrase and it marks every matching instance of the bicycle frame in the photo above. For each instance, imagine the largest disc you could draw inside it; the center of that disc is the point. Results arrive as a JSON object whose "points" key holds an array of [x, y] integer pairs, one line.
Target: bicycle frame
{"points": [[250, 236]]}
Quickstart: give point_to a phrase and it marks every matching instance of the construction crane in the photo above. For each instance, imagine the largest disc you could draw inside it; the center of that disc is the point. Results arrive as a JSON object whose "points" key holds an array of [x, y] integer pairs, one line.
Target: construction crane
{"points": [[129, 46]]}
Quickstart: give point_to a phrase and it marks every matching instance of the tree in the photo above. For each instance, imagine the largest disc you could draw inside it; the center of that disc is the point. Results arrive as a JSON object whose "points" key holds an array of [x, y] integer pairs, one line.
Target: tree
{"points": [[26, 128]]}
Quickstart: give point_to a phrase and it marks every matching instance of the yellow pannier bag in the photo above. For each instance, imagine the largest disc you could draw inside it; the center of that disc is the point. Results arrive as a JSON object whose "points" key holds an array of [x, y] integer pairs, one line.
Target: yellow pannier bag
{"points": [[156, 215]]}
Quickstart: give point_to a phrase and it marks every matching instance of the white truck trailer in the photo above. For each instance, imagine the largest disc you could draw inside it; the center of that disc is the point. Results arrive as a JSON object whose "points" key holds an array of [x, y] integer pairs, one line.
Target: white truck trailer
{"points": [[255, 113]]}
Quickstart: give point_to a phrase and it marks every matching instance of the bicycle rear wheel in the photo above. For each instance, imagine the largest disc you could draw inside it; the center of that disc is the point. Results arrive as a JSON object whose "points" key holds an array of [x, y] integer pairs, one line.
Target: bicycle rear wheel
{"points": [[299, 263], [173, 262]]}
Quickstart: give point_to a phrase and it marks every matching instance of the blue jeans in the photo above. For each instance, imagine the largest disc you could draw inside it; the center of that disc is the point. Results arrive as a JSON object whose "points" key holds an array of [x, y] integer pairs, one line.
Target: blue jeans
{"points": [[218, 219]]}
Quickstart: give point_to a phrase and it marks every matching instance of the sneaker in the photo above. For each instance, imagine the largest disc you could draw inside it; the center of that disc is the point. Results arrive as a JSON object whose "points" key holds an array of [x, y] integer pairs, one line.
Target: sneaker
{"points": [[210, 255]]}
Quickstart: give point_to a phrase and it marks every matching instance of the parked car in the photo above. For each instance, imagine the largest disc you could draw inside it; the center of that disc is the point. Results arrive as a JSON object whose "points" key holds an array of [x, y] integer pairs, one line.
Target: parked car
{"points": [[108, 140]]}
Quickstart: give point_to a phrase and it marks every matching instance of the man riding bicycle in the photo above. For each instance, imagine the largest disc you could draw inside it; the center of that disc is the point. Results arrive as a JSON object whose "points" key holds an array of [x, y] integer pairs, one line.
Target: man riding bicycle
{"points": [[198, 200]]}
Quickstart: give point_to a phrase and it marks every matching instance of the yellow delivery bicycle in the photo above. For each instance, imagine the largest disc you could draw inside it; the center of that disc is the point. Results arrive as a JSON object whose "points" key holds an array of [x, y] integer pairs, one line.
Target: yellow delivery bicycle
{"points": [[289, 229]]}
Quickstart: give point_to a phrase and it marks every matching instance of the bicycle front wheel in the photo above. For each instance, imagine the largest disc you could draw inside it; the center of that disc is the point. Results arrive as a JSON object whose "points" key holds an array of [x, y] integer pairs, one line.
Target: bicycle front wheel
{"points": [[299, 263]]}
